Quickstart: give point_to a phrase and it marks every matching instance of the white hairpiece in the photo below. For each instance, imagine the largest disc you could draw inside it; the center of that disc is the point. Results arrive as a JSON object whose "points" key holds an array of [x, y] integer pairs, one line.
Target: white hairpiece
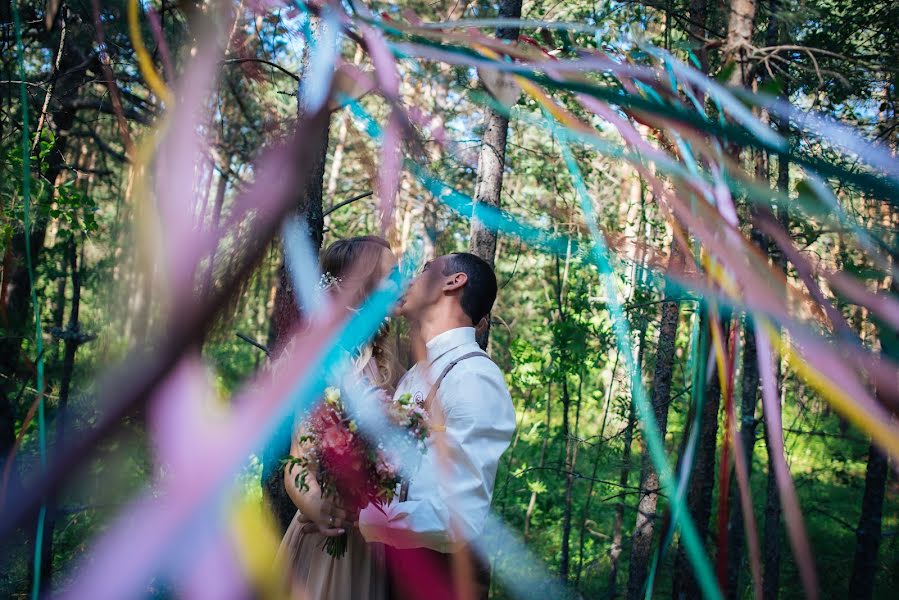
{"points": [[327, 282]]}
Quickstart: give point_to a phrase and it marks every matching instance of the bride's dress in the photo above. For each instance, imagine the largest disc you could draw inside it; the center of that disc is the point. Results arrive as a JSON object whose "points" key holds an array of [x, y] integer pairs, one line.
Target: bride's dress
{"points": [[314, 574]]}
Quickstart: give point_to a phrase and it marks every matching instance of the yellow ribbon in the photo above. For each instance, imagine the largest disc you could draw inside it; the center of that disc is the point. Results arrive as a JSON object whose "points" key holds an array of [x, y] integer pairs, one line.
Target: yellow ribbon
{"points": [[144, 61], [883, 434]]}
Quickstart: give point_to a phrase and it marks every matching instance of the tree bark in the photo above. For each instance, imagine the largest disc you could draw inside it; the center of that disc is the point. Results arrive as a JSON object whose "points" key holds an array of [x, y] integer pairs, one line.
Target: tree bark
{"points": [[491, 163], [748, 424], [624, 476], [699, 13], [771, 543], [569, 484], [741, 21], [868, 534], [641, 543], [73, 339], [340, 144], [702, 480], [15, 288], [617, 526], [771, 546], [740, 24], [218, 202], [286, 314], [750, 378]]}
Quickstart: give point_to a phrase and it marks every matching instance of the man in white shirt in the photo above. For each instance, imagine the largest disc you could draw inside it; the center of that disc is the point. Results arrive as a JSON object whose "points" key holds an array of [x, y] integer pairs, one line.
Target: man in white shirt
{"points": [[429, 532]]}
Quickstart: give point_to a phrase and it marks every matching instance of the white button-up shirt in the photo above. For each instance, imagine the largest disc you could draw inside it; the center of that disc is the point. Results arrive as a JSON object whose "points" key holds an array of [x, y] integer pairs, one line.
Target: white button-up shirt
{"points": [[449, 496]]}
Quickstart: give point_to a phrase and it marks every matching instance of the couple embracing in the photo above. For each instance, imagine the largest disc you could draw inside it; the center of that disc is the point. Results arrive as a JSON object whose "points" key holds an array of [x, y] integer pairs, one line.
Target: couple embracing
{"points": [[421, 544]]}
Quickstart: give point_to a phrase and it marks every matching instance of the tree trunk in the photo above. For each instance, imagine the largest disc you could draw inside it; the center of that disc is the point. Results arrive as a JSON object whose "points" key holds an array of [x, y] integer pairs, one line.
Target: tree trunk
{"points": [[868, 534], [491, 162], [740, 23], [699, 13], [702, 480], [617, 526], [218, 202], [569, 484], [16, 293], [771, 548], [73, 338], [748, 423], [624, 476], [771, 543], [661, 396], [340, 144], [16, 313], [285, 314]]}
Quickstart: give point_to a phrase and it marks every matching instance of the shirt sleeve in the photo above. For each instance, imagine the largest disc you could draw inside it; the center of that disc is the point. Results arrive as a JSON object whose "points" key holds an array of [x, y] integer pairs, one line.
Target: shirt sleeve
{"points": [[479, 424]]}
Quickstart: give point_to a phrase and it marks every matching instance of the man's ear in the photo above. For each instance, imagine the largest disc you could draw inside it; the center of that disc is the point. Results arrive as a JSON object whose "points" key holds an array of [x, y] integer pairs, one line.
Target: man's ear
{"points": [[454, 281]]}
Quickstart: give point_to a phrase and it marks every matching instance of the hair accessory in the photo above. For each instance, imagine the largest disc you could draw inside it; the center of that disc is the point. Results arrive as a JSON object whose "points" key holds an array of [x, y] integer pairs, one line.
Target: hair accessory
{"points": [[327, 281]]}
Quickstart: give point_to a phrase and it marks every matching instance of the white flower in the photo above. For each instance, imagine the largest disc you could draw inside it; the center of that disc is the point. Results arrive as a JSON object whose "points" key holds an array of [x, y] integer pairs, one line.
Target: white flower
{"points": [[327, 281], [332, 396]]}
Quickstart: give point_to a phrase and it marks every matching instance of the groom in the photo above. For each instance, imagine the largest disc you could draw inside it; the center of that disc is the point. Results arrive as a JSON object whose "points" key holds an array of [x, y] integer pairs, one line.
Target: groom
{"points": [[430, 532]]}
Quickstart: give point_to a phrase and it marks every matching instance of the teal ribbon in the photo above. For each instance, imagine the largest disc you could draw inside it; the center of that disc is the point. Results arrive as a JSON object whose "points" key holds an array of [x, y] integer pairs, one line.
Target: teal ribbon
{"points": [[654, 443], [38, 336]]}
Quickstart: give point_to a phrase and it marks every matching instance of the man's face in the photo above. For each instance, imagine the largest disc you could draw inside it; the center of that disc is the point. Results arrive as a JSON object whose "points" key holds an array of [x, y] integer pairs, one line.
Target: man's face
{"points": [[424, 290]]}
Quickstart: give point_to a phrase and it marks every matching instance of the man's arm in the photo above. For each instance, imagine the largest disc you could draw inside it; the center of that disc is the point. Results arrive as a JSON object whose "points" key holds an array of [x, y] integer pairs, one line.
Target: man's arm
{"points": [[479, 422]]}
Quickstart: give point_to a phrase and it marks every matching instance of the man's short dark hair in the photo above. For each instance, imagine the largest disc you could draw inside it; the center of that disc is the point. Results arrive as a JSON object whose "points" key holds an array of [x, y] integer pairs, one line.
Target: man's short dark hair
{"points": [[479, 292]]}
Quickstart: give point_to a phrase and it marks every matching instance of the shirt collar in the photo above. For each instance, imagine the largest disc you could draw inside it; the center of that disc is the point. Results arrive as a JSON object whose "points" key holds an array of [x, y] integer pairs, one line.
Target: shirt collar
{"points": [[446, 341]]}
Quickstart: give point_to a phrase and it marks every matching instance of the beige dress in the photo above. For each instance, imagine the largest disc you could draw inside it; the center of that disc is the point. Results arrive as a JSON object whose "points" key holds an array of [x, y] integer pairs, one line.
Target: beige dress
{"points": [[314, 574]]}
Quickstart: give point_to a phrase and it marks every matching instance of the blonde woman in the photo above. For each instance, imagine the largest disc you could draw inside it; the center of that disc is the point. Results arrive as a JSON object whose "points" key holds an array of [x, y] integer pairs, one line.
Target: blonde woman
{"points": [[357, 263]]}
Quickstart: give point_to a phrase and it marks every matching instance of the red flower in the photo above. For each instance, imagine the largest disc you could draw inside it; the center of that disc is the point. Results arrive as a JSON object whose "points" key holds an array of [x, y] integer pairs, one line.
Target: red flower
{"points": [[337, 439]]}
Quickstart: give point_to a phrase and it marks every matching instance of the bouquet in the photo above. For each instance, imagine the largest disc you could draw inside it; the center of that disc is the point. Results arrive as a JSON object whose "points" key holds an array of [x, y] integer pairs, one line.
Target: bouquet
{"points": [[351, 469]]}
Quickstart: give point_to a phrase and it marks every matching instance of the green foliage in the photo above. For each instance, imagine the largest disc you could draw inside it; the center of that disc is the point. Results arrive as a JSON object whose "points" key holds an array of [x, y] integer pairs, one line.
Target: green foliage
{"points": [[551, 327]]}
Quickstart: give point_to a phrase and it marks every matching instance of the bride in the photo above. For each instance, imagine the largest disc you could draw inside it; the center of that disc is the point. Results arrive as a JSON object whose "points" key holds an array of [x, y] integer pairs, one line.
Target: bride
{"points": [[358, 262]]}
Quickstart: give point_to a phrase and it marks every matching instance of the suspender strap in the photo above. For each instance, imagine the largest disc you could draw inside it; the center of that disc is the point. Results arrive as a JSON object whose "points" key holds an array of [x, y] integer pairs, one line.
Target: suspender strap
{"points": [[404, 488], [433, 393]]}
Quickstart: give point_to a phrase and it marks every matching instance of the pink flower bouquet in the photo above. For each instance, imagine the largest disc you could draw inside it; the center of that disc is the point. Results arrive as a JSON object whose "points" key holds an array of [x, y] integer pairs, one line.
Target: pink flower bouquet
{"points": [[353, 470]]}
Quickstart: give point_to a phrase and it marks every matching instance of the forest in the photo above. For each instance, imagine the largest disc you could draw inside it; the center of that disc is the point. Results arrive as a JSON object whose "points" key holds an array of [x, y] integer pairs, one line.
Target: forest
{"points": [[692, 210]]}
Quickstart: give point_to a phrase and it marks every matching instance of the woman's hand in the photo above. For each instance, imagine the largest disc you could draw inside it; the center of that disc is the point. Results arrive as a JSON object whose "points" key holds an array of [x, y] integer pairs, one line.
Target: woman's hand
{"points": [[319, 514], [328, 519]]}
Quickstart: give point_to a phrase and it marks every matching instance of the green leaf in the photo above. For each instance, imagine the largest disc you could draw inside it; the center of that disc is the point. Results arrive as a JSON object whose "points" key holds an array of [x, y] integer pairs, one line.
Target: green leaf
{"points": [[537, 486], [726, 71], [774, 87]]}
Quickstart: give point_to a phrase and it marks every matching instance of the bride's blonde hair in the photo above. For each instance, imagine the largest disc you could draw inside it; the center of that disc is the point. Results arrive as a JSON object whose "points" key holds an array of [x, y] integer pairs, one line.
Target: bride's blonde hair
{"points": [[354, 262]]}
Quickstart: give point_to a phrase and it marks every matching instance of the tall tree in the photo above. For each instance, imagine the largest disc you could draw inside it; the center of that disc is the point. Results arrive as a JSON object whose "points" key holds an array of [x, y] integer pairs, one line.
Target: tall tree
{"points": [[738, 44], [286, 313], [749, 394], [491, 163], [702, 479], [72, 338], [638, 276], [71, 71], [641, 541], [869, 534]]}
